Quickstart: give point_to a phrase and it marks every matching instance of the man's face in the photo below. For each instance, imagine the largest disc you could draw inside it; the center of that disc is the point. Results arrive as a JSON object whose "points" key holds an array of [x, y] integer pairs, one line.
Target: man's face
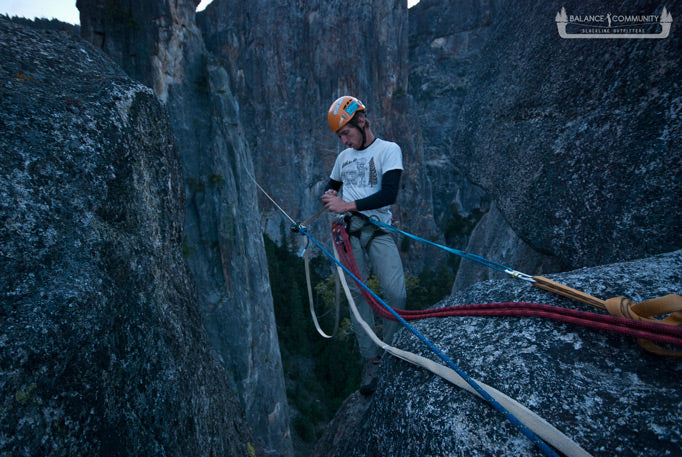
{"points": [[350, 136]]}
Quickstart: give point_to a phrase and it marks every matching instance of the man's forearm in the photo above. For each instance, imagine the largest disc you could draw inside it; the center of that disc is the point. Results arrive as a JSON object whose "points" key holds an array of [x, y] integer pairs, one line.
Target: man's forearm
{"points": [[387, 195], [334, 203]]}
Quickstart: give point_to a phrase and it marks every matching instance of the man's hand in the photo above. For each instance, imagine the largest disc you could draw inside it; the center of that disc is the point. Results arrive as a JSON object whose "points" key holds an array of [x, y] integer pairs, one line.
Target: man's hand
{"points": [[334, 203]]}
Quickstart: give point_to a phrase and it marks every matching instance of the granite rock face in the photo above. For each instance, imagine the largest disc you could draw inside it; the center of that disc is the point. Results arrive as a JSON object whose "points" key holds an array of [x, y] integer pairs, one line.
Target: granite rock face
{"points": [[102, 346], [576, 141], [600, 389], [159, 44]]}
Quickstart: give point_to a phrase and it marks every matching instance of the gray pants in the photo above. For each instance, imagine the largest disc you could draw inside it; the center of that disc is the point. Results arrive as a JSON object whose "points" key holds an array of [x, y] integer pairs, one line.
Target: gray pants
{"points": [[381, 253]]}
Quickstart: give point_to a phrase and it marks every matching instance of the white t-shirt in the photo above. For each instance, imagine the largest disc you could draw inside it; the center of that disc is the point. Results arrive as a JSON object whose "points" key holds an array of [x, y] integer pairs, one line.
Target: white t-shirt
{"points": [[361, 173]]}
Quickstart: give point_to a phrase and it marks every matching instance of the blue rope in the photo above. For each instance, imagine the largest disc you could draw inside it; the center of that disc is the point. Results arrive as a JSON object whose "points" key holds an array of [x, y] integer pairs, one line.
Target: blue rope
{"points": [[463, 254], [507, 414]]}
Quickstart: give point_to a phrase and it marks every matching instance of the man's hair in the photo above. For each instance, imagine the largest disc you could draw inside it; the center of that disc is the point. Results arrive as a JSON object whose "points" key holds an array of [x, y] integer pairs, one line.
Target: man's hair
{"points": [[362, 113]]}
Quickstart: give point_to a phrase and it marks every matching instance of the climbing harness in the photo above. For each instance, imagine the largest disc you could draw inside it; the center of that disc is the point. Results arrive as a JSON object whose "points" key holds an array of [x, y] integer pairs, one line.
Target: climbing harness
{"points": [[366, 224]]}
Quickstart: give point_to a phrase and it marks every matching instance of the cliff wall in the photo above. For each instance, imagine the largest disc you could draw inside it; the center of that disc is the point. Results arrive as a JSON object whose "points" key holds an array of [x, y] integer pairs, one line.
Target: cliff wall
{"points": [[577, 142], [160, 45], [287, 62]]}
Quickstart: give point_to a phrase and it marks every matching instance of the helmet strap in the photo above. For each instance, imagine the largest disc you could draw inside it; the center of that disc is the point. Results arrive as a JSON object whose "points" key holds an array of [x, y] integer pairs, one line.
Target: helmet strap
{"points": [[362, 132]]}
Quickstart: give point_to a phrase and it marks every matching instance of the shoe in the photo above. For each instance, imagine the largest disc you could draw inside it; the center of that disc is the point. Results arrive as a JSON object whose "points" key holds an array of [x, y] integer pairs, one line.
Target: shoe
{"points": [[370, 370], [368, 389]]}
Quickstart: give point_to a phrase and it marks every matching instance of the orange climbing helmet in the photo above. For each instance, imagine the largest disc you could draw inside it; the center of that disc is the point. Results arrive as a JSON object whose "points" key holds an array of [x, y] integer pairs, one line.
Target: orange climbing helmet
{"points": [[342, 111]]}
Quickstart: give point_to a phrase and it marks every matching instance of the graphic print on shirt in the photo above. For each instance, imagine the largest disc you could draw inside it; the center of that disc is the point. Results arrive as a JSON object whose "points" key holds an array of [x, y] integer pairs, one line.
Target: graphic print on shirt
{"points": [[373, 179], [355, 173]]}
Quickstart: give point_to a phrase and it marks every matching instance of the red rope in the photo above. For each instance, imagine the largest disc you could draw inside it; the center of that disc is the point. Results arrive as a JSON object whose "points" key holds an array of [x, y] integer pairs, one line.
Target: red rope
{"points": [[658, 333]]}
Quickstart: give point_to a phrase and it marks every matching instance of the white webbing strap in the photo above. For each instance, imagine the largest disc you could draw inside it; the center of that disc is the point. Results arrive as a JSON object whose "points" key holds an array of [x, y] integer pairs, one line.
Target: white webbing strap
{"points": [[311, 302], [537, 424]]}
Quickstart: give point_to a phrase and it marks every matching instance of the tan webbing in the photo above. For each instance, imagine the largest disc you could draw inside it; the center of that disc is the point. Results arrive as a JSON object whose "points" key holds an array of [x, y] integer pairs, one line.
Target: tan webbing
{"points": [[311, 301], [669, 306], [557, 288]]}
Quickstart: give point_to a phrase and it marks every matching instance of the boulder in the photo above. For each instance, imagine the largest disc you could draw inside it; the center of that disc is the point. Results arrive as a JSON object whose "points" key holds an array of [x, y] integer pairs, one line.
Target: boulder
{"points": [[600, 389], [102, 346]]}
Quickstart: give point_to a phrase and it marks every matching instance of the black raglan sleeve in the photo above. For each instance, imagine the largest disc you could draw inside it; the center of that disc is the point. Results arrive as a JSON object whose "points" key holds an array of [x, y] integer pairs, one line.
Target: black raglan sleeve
{"points": [[387, 195], [334, 185]]}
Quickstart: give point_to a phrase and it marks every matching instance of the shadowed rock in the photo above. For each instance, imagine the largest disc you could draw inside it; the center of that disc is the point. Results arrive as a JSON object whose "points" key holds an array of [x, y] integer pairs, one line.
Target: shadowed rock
{"points": [[102, 347], [576, 141]]}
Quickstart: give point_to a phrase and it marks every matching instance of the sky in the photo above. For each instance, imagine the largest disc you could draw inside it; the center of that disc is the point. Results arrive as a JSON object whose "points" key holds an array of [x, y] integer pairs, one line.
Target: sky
{"points": [[65, 10]]}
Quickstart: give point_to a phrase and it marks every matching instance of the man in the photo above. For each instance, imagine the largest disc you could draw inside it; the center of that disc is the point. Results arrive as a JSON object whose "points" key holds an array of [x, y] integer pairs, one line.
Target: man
{"points": [[369, 171]]}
